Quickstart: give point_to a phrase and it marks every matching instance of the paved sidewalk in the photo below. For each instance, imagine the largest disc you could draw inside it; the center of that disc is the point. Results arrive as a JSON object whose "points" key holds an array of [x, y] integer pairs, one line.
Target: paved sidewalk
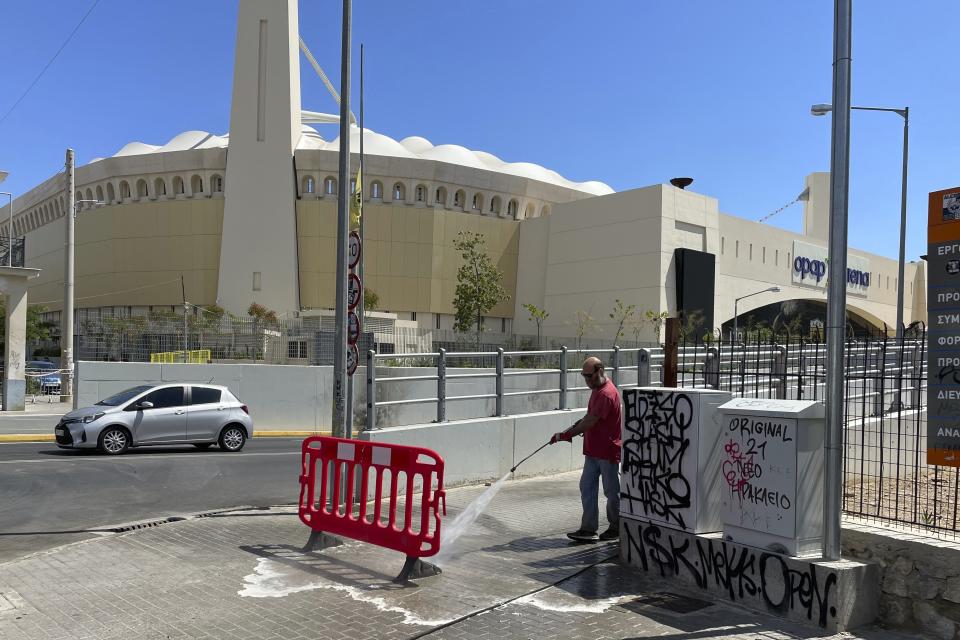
{"points": [[243, 575]]}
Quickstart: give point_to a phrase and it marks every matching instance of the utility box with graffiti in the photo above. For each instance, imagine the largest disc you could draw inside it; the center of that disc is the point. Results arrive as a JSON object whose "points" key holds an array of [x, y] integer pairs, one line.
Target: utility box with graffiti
{"points": [[670, 469], [771, 471]]}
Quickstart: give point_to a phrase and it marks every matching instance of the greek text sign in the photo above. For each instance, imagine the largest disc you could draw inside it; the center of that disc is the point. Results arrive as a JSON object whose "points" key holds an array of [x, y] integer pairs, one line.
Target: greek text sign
{"points": [[759, 473], [810, 267], [943, 335]]}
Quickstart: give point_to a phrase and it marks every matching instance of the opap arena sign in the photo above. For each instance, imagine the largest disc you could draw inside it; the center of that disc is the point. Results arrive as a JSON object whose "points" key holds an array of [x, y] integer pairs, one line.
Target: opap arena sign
{"points": [[810, 267]]}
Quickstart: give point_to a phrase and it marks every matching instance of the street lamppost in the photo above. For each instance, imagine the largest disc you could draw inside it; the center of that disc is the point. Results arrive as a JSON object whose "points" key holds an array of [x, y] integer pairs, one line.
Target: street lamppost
{"points": [[66, 324], [824, 109], [737, 300]]}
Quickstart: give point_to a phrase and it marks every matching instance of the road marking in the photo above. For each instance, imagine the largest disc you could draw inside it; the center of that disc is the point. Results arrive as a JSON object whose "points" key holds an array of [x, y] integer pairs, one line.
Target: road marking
{"points": [[122, 458]]}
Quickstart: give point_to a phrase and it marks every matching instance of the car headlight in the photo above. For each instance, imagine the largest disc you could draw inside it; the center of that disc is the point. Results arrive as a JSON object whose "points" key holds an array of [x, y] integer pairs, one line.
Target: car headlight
{"points": [[92, 418]]}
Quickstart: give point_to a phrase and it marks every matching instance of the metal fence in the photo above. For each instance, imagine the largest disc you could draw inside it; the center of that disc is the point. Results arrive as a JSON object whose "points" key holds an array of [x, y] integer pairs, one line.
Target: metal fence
{"points": [[886, 477], [18, 248]]}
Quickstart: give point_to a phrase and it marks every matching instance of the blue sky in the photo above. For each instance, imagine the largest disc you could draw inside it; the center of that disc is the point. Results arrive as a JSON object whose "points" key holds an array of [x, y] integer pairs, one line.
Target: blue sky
{"points": [[630, 92]]}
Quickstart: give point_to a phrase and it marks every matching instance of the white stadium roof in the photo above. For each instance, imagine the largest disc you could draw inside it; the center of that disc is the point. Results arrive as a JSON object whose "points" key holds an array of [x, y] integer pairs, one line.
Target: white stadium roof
{"points": [[380, 145]]}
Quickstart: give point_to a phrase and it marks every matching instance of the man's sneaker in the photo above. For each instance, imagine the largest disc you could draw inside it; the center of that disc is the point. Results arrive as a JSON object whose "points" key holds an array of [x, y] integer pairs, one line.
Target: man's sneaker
{"points": [[613, 533], [583, 536]]}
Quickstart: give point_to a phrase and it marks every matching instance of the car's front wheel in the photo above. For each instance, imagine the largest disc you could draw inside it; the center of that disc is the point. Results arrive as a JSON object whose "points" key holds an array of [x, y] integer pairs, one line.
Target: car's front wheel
{"points": [[114, 441], [232, 438]]}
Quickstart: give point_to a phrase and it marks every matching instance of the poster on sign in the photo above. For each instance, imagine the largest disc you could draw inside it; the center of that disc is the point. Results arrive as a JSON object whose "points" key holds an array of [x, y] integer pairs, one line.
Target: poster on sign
{"points": [[353, 328], [354, 291], [353, 359], [353, 249], [943, 335]]}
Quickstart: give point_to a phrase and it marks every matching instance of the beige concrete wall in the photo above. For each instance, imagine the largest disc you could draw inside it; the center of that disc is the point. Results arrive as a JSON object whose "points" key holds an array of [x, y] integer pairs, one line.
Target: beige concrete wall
{"points": [[599, 250], [764, 258], [410, 260], [123, 249]]}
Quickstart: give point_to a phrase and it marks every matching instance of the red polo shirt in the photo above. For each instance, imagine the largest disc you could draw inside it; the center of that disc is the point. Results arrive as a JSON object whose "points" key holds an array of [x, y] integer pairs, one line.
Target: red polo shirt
{"points": [[602, 440]]}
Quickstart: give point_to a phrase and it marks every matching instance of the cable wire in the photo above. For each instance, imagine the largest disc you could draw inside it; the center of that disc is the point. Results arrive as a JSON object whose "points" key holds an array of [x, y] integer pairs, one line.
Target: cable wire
{"points": [[47, 66], [110, 293]]}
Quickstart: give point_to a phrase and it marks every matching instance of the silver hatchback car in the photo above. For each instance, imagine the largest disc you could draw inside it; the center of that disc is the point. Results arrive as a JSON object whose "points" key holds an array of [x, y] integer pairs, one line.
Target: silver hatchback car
{"points": [[165, 414]]}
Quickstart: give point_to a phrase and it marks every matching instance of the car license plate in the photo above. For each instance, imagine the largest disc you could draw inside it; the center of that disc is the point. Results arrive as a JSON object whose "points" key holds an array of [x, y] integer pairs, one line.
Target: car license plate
{"points": [[60, 431]]}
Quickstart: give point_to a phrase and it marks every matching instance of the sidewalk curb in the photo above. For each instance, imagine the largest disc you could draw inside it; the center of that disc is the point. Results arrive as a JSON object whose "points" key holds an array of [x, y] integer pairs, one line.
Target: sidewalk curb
{"points": [[26, 437], [43, 437], [289, 434]]}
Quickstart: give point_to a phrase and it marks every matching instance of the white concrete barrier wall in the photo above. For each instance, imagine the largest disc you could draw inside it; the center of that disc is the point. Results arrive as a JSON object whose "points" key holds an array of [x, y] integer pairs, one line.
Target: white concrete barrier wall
{"points": [[290, 397], [279, 397], [485, 449]]}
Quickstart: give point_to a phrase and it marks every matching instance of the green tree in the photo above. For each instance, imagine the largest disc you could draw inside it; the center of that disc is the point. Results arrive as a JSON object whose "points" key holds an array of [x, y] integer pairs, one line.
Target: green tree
{"points": [[656, 320], [585, 324], [37, 329], [621, 314], [478, 283], [538, 315], [371, 300]]}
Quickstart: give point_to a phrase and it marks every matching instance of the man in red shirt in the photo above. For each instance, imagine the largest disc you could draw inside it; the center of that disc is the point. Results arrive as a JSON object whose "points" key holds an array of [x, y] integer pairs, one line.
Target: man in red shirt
{"points": [[601, 451]]}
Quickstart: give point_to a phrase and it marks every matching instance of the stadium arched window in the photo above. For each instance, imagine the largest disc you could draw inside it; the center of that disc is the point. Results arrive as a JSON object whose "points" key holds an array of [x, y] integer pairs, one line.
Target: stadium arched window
{"points": [[196, 185], [330, 186], [177, 185], [477, 203], [399, 192], [216, 184], [421, 193], [142, 188], [512, 208], [376, 190], [159, 187], [309, 185], [495, 204], [440, 196], [459, 198], [124, 189], [545, 211]]}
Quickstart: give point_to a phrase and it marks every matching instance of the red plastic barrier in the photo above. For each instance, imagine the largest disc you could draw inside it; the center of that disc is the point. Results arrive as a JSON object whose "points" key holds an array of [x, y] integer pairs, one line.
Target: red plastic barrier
{"points": [[330, 469]]}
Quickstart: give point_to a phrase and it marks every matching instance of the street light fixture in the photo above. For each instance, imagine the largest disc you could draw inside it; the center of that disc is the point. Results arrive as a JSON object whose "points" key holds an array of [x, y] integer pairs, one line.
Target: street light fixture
{"points": [[824, 109], [737, 300]]}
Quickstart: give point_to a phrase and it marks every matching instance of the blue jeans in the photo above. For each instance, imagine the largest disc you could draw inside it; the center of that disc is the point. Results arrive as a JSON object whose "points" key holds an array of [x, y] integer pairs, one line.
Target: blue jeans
{"points": [[593, 470]]}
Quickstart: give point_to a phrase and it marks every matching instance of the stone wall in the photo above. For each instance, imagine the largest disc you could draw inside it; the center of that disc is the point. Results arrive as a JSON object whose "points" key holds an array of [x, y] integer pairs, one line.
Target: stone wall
{"points": [[920, 578]]}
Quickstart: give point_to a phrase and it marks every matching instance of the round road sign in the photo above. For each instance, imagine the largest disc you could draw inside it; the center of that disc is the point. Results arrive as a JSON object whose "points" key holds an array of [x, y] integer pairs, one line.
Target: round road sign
{"points": [[353, 328], [354, 291], [353, 249], [353, 358]]}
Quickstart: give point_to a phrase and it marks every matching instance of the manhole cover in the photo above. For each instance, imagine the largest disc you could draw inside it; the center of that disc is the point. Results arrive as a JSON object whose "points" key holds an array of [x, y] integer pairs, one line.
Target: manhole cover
{"points": [[672, 602]]}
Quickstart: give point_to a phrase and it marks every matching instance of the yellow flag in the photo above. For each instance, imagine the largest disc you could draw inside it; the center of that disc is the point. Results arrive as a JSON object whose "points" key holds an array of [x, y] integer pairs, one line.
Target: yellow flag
{"points": [[356, 203]]}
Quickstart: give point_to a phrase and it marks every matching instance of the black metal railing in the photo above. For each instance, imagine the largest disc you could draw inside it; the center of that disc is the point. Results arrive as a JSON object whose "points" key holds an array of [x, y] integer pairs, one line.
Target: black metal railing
{"points": [[19, 252]]}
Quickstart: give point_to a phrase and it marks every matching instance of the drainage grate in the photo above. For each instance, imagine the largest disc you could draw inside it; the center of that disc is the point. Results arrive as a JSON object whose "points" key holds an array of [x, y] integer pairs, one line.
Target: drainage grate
{"points": [[145, 525], [672, 602]]}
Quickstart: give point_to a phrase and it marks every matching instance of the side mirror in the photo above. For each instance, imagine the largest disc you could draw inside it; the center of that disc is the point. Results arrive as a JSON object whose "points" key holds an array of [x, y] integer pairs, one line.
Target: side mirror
{"points": [[146, 404]]}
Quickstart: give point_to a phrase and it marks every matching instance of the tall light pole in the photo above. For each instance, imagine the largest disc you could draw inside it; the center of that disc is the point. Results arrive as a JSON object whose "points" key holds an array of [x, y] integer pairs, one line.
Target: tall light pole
{"points": [[837, 287], [343, 230], [824, 109], [737, 301], [66, 316], [66, 324]]}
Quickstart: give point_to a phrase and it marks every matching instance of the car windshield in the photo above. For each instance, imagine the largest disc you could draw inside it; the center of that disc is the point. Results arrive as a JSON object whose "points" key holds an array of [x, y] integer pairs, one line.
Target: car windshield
{"points": [[119, 398]]}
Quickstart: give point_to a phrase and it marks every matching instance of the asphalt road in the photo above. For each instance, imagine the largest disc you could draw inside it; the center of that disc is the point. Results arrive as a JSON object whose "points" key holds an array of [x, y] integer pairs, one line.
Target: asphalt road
{"points": [[30, 423], [50, 497]]}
